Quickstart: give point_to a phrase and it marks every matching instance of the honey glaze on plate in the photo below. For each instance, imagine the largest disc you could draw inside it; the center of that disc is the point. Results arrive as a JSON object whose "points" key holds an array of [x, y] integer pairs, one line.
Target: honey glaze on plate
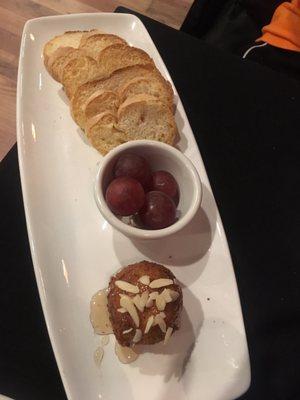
{"points": [[99, 313], [126, 355], [105, 340], [98, 355], [101, 324]]}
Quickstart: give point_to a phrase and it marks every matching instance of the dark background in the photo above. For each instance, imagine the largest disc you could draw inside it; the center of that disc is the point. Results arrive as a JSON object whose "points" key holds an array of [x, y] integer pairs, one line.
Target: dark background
{"points": [[246, 120]]}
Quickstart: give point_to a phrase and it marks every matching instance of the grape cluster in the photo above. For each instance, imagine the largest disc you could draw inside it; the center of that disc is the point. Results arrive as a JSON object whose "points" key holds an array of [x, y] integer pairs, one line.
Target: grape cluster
{"points": [[135, 190]]}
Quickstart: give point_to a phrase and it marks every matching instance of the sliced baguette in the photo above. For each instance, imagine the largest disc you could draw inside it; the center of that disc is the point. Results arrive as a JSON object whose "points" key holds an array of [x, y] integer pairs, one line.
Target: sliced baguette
{"points": [[117, 79], [104, 100], [159, 88], [102, 133], [60, 58], [139, 117], [145, 117], [94, 44], [119, 56], [78, 71], [100, 101], [67, 39]]}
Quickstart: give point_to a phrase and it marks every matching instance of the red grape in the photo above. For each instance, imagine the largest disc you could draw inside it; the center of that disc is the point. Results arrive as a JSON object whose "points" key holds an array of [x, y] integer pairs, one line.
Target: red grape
{"points": [[165, 182], [135, 167], [159, 211], [125, 196]]}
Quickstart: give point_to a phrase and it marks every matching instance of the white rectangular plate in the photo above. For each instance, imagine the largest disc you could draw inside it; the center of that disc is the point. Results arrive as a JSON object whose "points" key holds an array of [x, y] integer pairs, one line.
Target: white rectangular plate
{"points": [[75, 251]]}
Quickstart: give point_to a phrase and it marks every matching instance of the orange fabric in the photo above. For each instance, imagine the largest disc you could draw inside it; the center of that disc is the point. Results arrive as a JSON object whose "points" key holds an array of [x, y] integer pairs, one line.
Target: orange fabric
{"points": [[284, 29]]}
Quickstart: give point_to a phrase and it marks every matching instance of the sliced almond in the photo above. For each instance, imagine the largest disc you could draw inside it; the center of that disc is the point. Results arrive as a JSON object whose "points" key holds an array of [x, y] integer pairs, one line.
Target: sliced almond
{"points": [[141, 300], [127, 331], [127, 287], [149, 323], [149, 303], [122, 310], [138, 302], [161, 314], [144, 298], [168, 335], [160, 303], [166, 295], [160, 321], [158, 283], [138, 336], [174, 295], [145, 280], [127, 303], [152, 296]]}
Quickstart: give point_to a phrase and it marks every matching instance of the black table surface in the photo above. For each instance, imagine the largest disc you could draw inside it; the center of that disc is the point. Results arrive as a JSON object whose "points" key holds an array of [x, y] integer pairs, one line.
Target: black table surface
{"points": [[246, 120]]}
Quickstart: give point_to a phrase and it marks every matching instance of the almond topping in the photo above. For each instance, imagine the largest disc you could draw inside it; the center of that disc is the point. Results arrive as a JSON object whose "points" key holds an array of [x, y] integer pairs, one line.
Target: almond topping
{"points": [[160, 315], [145, 280], [138, 336], [160, 303], [127, 303], [144, 298], [160, 321], [174, 294], [138, 302], [127, 331], [153, 295], [149, 303], [158, 283], [166, 295], [122, 310], [149, 323], [168, 335], [127, 287]]}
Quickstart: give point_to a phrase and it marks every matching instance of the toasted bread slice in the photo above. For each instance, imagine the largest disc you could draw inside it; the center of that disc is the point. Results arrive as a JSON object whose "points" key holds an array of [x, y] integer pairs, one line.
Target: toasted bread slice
{"points": [[104, 100], [100, 101], [145, 117], [67, 39], [78, 71], [88, 34], [94, 44], [60, 58], [102, 133], [56, 59], [158, 87], [119, 56], [139, 117], [117, 79]]}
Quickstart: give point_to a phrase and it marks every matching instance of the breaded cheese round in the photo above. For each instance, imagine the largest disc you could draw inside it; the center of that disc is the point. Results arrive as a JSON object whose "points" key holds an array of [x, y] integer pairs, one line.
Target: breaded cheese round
{"points": [[144, 304]]}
